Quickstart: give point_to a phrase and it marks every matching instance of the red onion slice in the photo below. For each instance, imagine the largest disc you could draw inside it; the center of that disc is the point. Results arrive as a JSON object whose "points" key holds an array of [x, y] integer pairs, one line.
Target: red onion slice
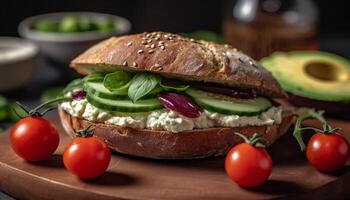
{"points": [[79, 95], [180, 104], [248, 94]]}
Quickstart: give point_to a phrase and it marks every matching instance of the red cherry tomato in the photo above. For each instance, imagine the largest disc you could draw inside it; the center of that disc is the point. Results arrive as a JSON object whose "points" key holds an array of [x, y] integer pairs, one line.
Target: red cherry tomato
{"points": [[34, 138], [87, 157], [248, 165], [327, 152]]}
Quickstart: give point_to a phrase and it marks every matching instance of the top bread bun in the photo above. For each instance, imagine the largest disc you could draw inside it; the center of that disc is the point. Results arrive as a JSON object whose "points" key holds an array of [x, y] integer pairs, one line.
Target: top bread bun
{"points": [[174, 56]]}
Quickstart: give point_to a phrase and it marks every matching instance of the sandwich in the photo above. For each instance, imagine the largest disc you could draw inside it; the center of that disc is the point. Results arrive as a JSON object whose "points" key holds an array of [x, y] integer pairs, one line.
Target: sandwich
{"points": [[160, 95]]}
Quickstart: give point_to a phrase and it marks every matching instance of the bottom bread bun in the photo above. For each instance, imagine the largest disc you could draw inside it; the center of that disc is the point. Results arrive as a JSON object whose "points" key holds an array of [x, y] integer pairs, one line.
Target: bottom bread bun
{"points": [[198, 143]]}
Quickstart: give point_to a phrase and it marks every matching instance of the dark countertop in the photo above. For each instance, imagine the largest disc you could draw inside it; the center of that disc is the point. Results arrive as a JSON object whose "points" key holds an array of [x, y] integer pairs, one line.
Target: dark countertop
{"points": [[5, 197], [49, 76]]}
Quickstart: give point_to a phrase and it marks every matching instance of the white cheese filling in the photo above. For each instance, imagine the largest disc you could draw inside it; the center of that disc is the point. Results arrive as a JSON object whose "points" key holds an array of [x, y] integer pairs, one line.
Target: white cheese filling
{"points": [[168, 120]]}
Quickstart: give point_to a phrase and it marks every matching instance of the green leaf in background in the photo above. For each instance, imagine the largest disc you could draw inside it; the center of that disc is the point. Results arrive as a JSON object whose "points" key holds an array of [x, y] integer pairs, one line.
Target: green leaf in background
{"points": [[75, 84], [205, 35], [50, 94], [4, 109], [16, 112], [7, 111], [167, 86], [117, 80], [141, 84]]}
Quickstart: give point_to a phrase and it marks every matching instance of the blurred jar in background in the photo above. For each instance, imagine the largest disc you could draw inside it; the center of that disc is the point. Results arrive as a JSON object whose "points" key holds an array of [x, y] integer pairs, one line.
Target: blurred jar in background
{"points": [[260, 27]]}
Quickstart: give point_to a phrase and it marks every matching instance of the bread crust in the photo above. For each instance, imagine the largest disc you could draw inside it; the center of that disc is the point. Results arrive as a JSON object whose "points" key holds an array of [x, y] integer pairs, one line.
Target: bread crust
{"points": [[197, 143], [177, 57]]}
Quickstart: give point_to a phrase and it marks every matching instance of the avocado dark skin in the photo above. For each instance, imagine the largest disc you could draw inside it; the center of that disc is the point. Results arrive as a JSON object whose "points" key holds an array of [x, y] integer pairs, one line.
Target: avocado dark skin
{"points": [[333, 108]]}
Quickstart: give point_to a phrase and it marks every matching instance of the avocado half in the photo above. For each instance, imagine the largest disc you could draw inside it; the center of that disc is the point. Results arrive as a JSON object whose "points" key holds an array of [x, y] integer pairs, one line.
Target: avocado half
{"points": [[313, 78]]}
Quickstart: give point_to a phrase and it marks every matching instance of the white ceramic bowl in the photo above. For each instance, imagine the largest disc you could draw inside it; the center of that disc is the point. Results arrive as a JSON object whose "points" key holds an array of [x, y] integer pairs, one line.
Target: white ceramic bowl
{"points": [[63, 47], [17, 62]]}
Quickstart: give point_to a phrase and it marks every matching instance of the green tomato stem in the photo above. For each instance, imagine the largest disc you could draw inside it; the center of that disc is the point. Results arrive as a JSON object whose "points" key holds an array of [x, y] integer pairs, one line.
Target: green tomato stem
{"points": [[243, 137], [310, 114], [58, 99], [35, 111], [85, 133], [254, 140]]}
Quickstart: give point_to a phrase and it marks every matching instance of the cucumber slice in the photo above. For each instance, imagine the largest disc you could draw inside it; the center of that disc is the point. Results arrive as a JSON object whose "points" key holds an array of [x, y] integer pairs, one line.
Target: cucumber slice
{"points": [[124, 105], [98, 89], [228, 105]]}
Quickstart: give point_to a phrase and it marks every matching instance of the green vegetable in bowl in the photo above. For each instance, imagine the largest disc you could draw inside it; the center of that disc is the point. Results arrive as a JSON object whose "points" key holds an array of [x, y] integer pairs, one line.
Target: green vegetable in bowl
{"points": [[73, 24], [69, 24], [46, 25], [106, 26], [85, 24]]}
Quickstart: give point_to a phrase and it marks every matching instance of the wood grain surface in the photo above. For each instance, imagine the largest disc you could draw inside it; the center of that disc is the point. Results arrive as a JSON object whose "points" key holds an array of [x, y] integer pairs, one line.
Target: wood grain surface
{"points": [[136, 178]]}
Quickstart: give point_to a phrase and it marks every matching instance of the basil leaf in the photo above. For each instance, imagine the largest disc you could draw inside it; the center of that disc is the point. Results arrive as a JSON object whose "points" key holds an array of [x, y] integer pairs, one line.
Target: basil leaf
{"points": [[75, 84], [141, 85], [117, 80], [94, 77]]}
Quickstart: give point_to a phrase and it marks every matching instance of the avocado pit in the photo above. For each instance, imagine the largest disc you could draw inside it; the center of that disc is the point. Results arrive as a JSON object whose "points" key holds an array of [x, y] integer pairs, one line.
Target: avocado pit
{"points": [[325, 71]]}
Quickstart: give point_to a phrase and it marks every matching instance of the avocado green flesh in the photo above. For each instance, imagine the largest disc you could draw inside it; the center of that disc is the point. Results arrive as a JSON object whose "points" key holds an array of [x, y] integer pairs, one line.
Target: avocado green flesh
{"points": [[290, 71]]}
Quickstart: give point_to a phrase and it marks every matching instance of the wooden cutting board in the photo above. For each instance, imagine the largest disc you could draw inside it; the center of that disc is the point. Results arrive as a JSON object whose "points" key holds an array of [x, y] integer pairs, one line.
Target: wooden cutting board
{"points": [[136, 178]]}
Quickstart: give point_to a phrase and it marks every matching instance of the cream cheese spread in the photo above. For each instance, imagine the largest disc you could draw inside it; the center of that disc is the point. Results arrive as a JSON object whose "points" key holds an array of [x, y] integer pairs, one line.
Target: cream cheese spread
{"points": [[168, 120]]}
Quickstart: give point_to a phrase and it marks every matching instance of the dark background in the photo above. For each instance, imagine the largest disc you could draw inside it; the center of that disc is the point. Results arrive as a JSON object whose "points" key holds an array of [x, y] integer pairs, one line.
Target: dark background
{"points": [[165, 15], [176, 16], [149, 15]]}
